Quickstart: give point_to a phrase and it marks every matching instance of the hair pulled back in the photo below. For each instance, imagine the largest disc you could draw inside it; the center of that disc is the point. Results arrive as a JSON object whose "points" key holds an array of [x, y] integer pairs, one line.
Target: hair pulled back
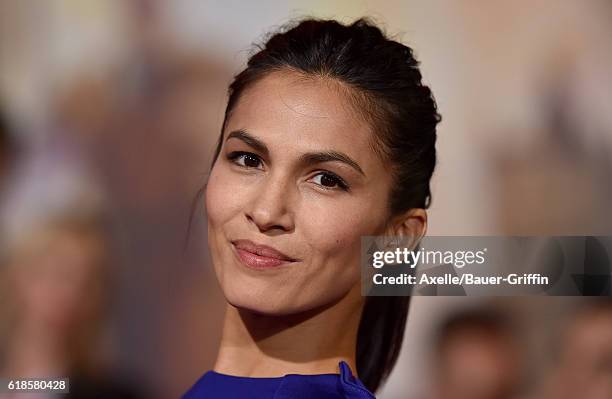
{"points": [[384, 82]]}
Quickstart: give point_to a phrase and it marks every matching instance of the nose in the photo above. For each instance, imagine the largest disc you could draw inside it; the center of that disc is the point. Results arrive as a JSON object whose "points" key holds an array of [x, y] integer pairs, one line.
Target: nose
{"points": [[270, 208]]}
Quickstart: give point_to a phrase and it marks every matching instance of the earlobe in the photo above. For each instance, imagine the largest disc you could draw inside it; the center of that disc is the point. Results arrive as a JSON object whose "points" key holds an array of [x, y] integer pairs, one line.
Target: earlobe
{"points": [[409, 227]]}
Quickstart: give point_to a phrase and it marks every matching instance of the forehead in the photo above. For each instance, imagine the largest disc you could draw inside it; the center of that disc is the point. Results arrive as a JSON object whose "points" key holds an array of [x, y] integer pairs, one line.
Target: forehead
{"points": [[304, 113]]}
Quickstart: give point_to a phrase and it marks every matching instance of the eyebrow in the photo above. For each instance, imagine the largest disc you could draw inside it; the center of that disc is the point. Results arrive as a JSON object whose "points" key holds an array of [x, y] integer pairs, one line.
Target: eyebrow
{"points": [[330, 156], [307, 159], [250, 140]]}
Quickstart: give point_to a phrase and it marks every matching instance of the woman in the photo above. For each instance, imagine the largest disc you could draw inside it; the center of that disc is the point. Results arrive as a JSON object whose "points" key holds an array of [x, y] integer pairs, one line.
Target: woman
{"points": [[54, 298], [328, 136], [56, 281]]}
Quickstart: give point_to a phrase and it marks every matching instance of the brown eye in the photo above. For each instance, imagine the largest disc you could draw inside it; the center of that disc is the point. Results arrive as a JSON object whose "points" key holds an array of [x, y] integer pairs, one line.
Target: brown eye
{"points": [[330, 180], [251, 161], [245, 159]]}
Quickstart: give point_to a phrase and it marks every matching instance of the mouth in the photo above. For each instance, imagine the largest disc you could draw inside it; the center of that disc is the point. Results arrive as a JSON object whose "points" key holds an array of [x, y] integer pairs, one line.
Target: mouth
{"points": [[256, 256]]}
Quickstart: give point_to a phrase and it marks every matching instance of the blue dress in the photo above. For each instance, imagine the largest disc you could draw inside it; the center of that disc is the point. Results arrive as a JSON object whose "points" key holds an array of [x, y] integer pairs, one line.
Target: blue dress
{"points": [[213, 385]]}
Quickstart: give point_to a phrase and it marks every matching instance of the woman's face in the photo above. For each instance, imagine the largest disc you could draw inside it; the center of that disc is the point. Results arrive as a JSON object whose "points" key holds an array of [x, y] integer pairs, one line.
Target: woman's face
{"points": [[295, 187], [57, 279]]}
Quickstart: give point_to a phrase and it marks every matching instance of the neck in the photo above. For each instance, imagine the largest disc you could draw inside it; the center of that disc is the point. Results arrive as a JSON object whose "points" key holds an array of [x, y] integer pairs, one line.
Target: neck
{"points": [[313, 342]]}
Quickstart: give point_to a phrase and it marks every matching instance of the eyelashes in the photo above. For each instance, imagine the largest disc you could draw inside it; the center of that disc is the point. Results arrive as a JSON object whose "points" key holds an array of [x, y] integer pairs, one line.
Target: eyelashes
{"points": [[330, 180], [245, 159], [324, 178]]}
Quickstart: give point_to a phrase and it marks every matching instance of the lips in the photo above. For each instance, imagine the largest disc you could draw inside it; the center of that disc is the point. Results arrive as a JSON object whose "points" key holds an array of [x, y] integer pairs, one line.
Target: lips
{"points": [[258, 256]]}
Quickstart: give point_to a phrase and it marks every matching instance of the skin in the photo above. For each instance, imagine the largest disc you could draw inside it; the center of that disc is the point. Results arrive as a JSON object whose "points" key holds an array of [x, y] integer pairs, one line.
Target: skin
{"points": [[301, 317]]}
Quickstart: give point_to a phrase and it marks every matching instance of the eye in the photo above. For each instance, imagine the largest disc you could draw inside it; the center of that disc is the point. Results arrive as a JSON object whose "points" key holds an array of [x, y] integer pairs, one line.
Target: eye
{"points": [[245, 159], [330, 180]]}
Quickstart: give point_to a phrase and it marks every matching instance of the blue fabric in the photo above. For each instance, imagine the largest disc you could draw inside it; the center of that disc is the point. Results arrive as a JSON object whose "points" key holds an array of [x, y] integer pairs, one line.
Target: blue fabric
{"points": [[345, 385]]}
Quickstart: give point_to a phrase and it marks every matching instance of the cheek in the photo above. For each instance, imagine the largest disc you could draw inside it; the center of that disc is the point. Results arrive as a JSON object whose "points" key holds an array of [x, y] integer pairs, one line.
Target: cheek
{"points": [[335, 230], [221, 199], [333, 234], [221, 207]]}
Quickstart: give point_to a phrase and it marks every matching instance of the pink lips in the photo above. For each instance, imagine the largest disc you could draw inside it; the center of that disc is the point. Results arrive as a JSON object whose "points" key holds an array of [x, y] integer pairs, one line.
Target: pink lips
{"points": [[260, 256]]}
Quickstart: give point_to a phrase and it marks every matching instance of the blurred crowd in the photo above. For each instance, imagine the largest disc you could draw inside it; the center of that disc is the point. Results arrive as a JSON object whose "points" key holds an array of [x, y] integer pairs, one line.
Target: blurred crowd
{"points": [[104, 275], [490, 353]]}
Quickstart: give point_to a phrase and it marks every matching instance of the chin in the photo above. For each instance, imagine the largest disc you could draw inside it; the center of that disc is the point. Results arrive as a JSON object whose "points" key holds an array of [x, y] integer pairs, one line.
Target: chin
{"points": [[260, 299], [262, 306], [275, 301]]}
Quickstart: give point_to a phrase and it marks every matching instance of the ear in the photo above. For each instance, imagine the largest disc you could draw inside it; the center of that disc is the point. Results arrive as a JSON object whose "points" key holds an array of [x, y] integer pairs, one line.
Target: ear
{"points": [[410, 226]]}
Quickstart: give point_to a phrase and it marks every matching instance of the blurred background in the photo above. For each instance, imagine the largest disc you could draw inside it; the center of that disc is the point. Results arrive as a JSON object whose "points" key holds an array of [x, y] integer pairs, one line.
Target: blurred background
{"points": [[109, 109]]}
